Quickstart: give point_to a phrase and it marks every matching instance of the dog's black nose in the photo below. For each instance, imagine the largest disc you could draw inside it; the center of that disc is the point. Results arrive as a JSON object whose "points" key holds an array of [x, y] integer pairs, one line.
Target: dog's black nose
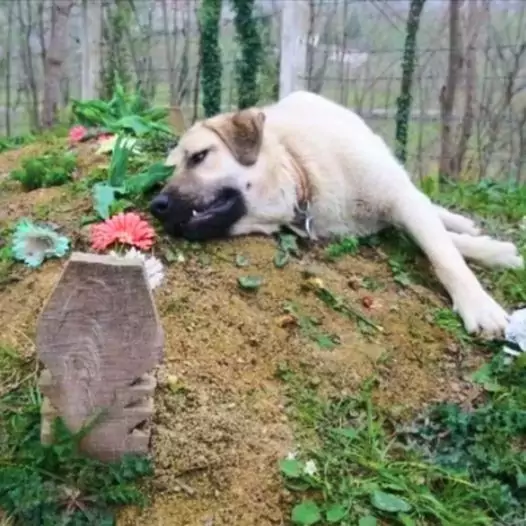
{"points": [[160, 206]]}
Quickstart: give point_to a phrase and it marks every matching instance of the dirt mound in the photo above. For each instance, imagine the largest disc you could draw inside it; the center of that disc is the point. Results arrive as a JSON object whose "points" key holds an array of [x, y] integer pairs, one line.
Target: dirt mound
{"points": [[221, 423]]}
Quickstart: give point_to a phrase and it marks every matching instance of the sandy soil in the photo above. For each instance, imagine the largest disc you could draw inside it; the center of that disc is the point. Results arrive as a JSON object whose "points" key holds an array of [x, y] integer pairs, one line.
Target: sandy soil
{"points": [[221, 423]]}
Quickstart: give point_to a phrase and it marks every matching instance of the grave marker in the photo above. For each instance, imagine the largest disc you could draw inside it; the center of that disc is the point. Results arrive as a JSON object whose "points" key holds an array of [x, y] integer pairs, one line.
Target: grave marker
{"points": [[99, 337]]}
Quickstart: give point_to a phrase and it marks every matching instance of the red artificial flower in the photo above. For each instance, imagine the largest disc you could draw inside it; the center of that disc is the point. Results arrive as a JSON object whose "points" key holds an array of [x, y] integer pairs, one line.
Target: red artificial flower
{"points": [[128, 229], [77, 133]]}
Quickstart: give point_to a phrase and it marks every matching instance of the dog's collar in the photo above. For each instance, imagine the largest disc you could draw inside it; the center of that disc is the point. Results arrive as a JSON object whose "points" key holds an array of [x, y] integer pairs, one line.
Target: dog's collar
{"points": [[303, 188], [302, 222]]}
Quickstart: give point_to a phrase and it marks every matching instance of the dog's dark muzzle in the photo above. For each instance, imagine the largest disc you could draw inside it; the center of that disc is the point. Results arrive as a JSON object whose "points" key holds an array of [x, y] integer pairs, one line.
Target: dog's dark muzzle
{"points": [[182, 216]]}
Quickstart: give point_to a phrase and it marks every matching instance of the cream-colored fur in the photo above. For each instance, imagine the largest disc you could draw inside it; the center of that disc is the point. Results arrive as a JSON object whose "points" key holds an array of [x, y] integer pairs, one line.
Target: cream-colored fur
{"points": [[358, 187]]}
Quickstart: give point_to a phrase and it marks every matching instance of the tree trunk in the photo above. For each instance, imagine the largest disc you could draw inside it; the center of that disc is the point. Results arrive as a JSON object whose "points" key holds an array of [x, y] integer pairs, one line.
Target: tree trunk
{"points": [[8, 55], [57, 52], [31, 89], [448, 91], [170, 53], [91, 48], [405, 99], [470, 76]]}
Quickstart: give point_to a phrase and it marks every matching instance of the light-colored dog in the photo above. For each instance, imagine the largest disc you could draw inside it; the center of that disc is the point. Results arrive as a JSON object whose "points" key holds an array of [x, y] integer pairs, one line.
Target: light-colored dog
{"points": [[316, 166]]}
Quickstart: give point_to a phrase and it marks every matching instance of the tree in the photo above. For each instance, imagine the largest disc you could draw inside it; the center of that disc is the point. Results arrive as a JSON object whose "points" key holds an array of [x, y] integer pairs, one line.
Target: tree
{"points": [[211, 67], [248, 66], [405, 99], [55, 56]]}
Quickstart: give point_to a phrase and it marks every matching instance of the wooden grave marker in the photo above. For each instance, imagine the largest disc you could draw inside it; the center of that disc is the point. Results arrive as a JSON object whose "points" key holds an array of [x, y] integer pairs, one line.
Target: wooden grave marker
{"points": [[99, 337]]}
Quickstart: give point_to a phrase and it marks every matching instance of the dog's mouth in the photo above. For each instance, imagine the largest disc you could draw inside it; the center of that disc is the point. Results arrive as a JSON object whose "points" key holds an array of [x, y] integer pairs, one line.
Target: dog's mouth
{"points": [[220, 206], [199, 221]]}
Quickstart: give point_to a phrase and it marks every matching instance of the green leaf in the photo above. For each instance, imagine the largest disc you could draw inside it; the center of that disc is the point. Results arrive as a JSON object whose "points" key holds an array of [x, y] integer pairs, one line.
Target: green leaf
{"points": [[406, 520], [103, 198], [336, 513], [119, 163], [306, 514], [291, 468], [146, 181], [288, 243], [347, 432], [384, 501], [135, 123], [241, 261], [250, 282], [281, 258], [325, 342], [369, 520]]}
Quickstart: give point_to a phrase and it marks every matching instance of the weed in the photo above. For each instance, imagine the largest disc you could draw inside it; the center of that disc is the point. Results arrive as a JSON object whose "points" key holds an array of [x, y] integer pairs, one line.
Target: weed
{"points": [[310, 327], [346, 245], [486, 441], [53, 484], [12, 143], [357, 473], [287, 246], [339, 304], [451, 322], [51, 169]]}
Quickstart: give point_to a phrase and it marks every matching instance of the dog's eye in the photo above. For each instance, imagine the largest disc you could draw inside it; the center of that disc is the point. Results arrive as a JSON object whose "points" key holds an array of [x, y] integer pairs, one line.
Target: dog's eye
{"points": [[198, 157]]}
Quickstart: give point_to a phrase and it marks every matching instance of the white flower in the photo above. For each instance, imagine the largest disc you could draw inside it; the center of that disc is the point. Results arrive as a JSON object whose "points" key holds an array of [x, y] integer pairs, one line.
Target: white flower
{"points": [[310, 468], [292, 455], [154, 268]]}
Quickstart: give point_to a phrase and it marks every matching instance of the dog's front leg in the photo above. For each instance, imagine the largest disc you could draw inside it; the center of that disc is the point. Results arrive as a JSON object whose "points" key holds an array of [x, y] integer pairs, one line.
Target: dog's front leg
{"points": [[414, 212]]}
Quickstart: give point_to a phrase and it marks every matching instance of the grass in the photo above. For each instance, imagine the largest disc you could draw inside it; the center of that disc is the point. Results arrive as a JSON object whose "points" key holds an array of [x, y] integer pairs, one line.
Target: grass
{"points": [[358, 472], [356, 464], [54, 484], [451, 465]]}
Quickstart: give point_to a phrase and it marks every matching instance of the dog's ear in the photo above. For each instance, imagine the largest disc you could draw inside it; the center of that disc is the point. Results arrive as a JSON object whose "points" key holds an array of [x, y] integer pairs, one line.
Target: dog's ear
{"points": [[242, 132]]}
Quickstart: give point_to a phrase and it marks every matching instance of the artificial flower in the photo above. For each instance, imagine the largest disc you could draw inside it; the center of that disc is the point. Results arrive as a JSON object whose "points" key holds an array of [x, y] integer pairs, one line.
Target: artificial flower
{"points": [[152, 265], [107, 144], [126, 228], [77, 133], [34, 243], [515, 332]]}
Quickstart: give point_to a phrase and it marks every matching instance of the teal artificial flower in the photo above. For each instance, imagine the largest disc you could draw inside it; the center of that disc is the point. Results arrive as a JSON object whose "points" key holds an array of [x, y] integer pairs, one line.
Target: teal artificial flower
{"points": [[32, 243]]}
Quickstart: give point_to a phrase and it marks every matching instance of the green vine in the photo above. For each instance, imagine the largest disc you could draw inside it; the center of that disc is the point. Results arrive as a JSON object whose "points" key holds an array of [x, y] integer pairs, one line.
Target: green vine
{"points": [[211, 67], [249, 40], [116, 67], [405, 99]]}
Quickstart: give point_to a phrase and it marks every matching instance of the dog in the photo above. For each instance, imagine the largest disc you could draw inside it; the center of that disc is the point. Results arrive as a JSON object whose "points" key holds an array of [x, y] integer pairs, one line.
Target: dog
{"points": [[315, 166]]}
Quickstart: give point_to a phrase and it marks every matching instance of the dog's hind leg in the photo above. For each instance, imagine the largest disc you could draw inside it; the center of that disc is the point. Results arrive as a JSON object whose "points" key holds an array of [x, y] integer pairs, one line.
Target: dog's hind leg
{"points": [[488, 251], [457, 222], [414, 212]]}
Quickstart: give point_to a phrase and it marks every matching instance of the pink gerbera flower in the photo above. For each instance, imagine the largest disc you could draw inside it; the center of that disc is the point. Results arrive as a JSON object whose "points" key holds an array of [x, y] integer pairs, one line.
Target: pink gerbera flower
{"points": [[128, 229], [77, 133]]}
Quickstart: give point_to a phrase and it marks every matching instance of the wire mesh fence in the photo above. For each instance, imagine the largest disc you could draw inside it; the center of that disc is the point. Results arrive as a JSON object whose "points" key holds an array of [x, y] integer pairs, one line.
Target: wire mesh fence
{"points": [[354, 56]]}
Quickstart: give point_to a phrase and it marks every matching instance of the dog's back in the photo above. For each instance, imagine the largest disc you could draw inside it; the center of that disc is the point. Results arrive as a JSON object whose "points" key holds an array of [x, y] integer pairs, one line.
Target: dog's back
{"points": [[351, 167]]}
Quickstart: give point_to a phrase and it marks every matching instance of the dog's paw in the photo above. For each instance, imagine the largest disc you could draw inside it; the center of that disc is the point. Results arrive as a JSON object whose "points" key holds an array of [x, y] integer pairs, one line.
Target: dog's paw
{"points": [[465, 225], [481, 313], [510, 256], [471, 228]]}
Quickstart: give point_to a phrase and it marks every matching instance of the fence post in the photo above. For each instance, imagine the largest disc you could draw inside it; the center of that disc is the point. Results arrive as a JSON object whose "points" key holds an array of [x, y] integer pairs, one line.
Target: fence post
{"points": [[91, 20], [294, 33]]}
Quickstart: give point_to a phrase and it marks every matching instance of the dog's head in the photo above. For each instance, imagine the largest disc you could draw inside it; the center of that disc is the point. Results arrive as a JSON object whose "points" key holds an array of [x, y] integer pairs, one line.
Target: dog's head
{"points": [[217, 164]]}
